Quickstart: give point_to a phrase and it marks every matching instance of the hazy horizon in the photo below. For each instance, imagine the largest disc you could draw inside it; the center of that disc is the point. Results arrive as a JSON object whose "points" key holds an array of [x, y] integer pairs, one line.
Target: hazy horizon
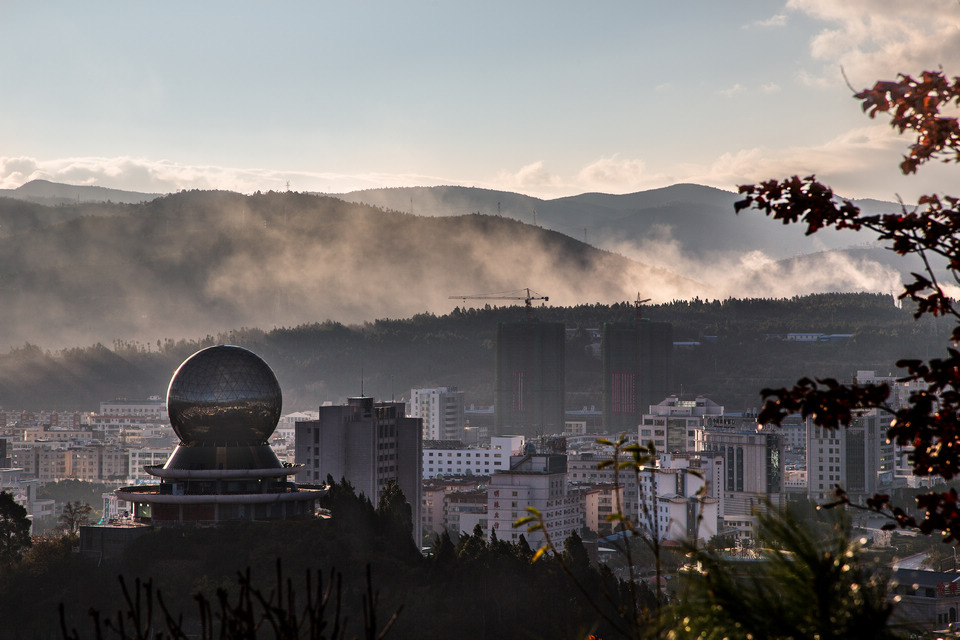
{"points": [[548, 101]]}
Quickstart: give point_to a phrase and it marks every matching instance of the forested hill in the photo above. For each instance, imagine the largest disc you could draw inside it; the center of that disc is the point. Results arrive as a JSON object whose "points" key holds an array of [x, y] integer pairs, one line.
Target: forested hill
{"points": [[206, 261], [319, 362]]}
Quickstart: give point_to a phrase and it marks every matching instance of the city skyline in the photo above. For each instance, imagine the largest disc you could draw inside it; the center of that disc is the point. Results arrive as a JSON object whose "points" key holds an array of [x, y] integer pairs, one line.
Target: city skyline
{"points": [[548, 100]]}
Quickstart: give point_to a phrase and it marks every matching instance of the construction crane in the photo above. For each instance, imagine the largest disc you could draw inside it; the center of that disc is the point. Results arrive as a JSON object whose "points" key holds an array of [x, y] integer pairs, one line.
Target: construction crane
{"points": [[638, 305], [507, 295]]}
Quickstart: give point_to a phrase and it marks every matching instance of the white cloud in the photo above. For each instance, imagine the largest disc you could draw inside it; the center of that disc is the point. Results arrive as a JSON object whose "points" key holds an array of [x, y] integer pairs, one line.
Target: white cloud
{"points": [[613, 172], [863, 162], [163, 176], [756, 273], [779, 20], [735, 89], [770, 87], [877, 39], [531, 178]]}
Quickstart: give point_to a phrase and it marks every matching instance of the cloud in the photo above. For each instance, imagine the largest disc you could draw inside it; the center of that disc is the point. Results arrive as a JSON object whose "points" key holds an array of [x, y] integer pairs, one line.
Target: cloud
{"points": [[612, 172], [531, 178], [770, 87], [164, 176], [757, 274], [862, 162], [779, 20], [877, 39], [735, 89]]}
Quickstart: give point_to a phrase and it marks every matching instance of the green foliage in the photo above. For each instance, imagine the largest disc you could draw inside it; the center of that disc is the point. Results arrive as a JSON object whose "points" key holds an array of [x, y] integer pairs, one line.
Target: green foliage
{"points": [[395, 515], [14, 529], [804, 585], [74, 516], [68, 491]]}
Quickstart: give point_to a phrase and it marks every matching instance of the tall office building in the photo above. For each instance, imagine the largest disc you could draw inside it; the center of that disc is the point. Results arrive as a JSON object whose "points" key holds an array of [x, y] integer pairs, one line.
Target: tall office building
{"points": [[858, 457], [752, 478], [367, 444], [637, 370], [529, 378], [441, 410]]}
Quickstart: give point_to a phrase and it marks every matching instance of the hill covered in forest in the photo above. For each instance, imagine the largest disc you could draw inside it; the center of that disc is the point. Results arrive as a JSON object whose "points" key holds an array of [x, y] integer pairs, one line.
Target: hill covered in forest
{"points": [[738, 353], [203, 262]]}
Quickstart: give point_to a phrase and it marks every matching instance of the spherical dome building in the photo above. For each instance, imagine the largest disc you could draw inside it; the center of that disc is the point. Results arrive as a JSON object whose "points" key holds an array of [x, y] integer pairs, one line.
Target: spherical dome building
{"points": [[224, 394], [224, 402]]}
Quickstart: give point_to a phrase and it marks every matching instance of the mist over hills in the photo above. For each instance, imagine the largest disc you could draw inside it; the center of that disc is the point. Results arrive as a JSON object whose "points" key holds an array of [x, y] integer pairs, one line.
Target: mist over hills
{"points": [[699, 218], [103, 264], [195, 263], [689, 229]]}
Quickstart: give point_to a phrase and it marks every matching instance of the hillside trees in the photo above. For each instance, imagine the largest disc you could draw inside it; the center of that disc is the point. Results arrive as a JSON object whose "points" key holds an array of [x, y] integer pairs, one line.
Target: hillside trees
{"points": [[14, 529], [930, 422], [75, 515]]}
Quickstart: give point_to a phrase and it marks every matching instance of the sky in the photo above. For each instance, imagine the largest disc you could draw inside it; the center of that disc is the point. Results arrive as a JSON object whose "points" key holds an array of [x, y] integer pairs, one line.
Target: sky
{"points": [[548, 99]]}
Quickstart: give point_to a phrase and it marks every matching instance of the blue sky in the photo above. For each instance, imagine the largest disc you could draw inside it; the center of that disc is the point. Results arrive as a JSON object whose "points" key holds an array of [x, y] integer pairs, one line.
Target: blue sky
{"points": [[544, 98]]}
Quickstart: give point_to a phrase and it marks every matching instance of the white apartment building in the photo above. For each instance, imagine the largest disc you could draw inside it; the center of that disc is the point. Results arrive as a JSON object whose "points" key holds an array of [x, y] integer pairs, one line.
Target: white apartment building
{"points": [[153, 407], [672, 424], [140, 458], [441, 410], [538, 481], [857, 457], [446, 458], [672, 507], [117, 426]]}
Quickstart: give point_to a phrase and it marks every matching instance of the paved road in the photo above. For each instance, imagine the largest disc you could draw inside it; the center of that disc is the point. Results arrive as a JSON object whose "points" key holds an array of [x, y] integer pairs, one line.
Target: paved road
{"points": [[911, 562]]}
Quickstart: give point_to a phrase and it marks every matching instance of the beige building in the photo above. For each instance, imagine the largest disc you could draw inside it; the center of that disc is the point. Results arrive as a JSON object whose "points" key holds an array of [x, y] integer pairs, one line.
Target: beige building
{"points": [[598, 504], [582, 470]]}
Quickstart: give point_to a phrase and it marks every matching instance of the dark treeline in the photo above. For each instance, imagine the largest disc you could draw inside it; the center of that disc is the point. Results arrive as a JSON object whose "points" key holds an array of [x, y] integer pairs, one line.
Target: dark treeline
{"points": [[738, 353], [470, 587]]}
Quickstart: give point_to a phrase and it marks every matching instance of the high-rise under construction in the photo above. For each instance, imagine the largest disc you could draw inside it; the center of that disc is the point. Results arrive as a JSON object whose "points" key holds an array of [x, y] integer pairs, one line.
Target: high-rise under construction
{"points": [[637, 369], [529, 378]]}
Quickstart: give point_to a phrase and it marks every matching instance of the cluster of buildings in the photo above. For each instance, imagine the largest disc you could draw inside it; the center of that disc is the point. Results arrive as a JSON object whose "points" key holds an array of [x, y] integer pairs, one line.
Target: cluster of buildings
{"points": [[218, 449], [706, 471]]}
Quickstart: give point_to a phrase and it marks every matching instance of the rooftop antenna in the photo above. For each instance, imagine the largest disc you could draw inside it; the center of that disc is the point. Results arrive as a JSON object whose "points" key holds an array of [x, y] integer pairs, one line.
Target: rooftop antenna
{"points": [[288, 185]]}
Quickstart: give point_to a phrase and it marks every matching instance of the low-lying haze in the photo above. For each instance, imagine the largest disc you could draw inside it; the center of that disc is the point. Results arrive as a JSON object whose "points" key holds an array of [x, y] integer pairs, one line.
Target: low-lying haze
{"points": [[197, 263]]}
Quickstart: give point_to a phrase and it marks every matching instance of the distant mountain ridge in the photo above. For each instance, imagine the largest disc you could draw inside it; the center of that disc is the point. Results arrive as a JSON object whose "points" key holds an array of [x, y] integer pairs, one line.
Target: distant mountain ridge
{"points": [[204, 261], [54, 193], [699, 220]]}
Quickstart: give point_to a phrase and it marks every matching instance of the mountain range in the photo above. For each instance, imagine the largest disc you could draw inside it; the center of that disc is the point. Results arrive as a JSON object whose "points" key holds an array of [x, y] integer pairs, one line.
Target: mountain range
{"points": [[100, 265]]}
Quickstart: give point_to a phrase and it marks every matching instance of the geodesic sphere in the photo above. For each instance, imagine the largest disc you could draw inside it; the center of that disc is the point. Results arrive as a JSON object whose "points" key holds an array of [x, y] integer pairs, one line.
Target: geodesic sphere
{"points": [[224, 395]]}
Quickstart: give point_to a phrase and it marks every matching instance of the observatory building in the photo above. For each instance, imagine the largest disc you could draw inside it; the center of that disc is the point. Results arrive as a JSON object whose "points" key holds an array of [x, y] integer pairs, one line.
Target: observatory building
{"points": [[224, 402]]}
